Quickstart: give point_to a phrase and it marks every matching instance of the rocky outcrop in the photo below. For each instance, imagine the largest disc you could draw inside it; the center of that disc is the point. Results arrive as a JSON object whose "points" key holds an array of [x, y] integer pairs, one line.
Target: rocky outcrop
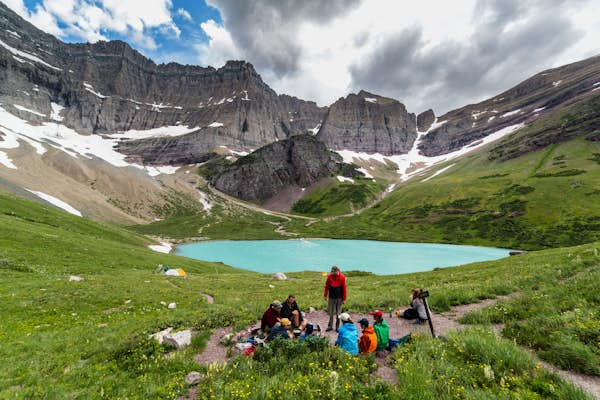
{"points": [[298, 161], [365, 122], [425, 120], [524, 103]]}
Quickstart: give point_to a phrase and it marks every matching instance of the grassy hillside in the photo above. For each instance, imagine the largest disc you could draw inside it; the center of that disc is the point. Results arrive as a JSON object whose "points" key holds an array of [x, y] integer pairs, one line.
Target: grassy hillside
{"points": [[88, 339], [545, 198], [339, 198]]}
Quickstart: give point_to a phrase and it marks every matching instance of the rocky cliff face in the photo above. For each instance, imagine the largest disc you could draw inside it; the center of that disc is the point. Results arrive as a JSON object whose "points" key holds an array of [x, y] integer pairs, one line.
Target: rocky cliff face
{"points": [[425, 120], [108, 87], [298, 161], [523, 103], [365, 122]]}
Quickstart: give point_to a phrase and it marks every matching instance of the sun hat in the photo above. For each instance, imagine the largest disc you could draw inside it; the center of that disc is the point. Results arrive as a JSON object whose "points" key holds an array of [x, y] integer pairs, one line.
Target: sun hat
{"points": [[276, 303], [344, 317], [285, 322], [364, 322], [376, 313]]}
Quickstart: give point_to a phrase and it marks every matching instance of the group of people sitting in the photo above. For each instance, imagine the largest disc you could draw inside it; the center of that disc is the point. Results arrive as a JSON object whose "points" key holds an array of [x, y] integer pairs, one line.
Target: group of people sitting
{"points": [[285, 320]]}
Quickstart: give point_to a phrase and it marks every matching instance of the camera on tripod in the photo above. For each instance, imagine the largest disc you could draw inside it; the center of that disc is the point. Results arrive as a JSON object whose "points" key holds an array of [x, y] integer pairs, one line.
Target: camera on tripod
{"points": [[423, 294]]}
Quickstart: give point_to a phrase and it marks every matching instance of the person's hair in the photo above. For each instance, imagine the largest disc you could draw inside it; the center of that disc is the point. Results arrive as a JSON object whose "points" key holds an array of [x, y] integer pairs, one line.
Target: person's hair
{"points": [[291, 295], [416, 292], [334, 269]]}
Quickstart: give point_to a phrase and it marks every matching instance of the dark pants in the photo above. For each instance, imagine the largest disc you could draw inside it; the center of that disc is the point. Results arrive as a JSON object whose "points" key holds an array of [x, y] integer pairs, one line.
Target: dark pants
{"points": [[334, 308]]}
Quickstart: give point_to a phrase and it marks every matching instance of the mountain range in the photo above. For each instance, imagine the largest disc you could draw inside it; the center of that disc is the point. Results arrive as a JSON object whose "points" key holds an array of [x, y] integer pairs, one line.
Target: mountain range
{"points": [[106, 130]]}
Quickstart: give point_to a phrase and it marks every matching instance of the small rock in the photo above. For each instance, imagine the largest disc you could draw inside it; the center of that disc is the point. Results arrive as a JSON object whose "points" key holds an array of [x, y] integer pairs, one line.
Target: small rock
{"points": [[311, 310], [172, 305], [102, 325], [193, 378], [271, 286], [162, 303], [280, 276], [178, 339], [127, 301], [75, 278]]}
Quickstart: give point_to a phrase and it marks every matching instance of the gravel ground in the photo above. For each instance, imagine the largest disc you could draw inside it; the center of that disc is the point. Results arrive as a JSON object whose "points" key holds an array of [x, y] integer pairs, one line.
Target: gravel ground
{"points": [[442, 323]]}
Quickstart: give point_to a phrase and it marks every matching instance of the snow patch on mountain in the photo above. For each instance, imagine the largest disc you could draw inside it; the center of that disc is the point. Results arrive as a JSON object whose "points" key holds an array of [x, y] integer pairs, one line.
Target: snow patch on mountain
{"points": [[18, 107], [6, 161], [27, 56], [414, 163], [163, 131], [56, 202], [90, 89]]}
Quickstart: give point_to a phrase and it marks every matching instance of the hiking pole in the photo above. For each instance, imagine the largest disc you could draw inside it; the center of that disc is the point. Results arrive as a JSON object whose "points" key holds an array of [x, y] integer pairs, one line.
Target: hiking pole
{"points": [[424, 295]]}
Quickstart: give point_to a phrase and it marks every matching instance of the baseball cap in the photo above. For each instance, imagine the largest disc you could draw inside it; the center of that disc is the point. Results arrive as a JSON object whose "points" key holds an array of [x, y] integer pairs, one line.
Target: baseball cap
{"points": [[344, 317], [364, 322], [376, 313]]}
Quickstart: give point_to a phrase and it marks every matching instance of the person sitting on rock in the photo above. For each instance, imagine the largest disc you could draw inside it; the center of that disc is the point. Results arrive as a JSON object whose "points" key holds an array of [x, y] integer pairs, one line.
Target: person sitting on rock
{"points": [[271, 316], [290, 310], [382, 330], [281, 329], [417, 307], [367, 343], [348, 335]]}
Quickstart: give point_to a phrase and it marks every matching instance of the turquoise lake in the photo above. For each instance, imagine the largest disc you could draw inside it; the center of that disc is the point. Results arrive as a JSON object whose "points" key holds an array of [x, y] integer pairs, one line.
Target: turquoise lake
{"points": [[382, 258]]}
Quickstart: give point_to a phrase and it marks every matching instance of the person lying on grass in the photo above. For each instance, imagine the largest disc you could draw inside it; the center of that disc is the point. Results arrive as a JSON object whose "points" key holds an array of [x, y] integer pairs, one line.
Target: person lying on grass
{"points": [[291, 311]]}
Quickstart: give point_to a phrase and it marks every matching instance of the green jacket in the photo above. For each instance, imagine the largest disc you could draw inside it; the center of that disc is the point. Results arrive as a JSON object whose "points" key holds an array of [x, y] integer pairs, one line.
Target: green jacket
{"points": [[382, 331]]}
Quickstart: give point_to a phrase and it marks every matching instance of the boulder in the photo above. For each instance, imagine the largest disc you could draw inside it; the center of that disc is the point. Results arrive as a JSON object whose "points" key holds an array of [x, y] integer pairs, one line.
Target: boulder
{"points": [[280, 276], [178, 340], [160, 336], [172, 306]]}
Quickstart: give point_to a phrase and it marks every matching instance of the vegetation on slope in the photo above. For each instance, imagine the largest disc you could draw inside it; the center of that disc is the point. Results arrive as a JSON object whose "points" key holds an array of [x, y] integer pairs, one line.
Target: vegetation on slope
{"points": [[88, 339], [547, 198], [339, 198]]}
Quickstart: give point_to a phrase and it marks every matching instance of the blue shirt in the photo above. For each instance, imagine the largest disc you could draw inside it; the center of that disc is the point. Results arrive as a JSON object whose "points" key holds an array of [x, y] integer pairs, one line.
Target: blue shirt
{"points": [[348, 338]]}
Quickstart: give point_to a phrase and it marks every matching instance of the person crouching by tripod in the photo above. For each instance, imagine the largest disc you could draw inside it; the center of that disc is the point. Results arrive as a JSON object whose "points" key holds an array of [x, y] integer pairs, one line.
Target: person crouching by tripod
{"points": [[417, 307], [335, 293]]}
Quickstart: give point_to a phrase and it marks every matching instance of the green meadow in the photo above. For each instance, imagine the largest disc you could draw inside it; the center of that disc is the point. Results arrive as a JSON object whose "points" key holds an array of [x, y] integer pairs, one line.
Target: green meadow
{"points": [[89, 339]]}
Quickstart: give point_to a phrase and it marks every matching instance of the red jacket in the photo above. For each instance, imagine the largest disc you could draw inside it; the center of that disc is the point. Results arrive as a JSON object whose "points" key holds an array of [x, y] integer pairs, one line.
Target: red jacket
{"points": [[335, 286]]}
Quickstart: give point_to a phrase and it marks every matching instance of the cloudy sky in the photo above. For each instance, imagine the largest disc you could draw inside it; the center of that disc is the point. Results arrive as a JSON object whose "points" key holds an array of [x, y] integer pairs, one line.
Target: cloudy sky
{"points": [[426, 53]]}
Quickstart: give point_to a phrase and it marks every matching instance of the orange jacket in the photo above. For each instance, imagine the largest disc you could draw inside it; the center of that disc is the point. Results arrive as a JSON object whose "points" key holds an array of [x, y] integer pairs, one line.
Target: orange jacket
{"points": [[367, 343]]}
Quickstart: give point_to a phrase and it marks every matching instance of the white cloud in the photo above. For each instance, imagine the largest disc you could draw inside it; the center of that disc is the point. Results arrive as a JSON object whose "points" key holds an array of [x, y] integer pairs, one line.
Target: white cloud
{"points": [[93, 20], [220, 46], [17, 6], [324, 55], [182, 12]]}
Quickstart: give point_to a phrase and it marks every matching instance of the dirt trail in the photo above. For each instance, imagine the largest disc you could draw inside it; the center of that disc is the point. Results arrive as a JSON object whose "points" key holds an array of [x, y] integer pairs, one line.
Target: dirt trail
{"points": [[442, 322]]}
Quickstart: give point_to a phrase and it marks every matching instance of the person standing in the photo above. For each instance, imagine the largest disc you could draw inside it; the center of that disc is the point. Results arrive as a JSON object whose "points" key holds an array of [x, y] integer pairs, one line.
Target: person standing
{"points": [[335, 294], [367, 343], [382, 330], [348, 335]]}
